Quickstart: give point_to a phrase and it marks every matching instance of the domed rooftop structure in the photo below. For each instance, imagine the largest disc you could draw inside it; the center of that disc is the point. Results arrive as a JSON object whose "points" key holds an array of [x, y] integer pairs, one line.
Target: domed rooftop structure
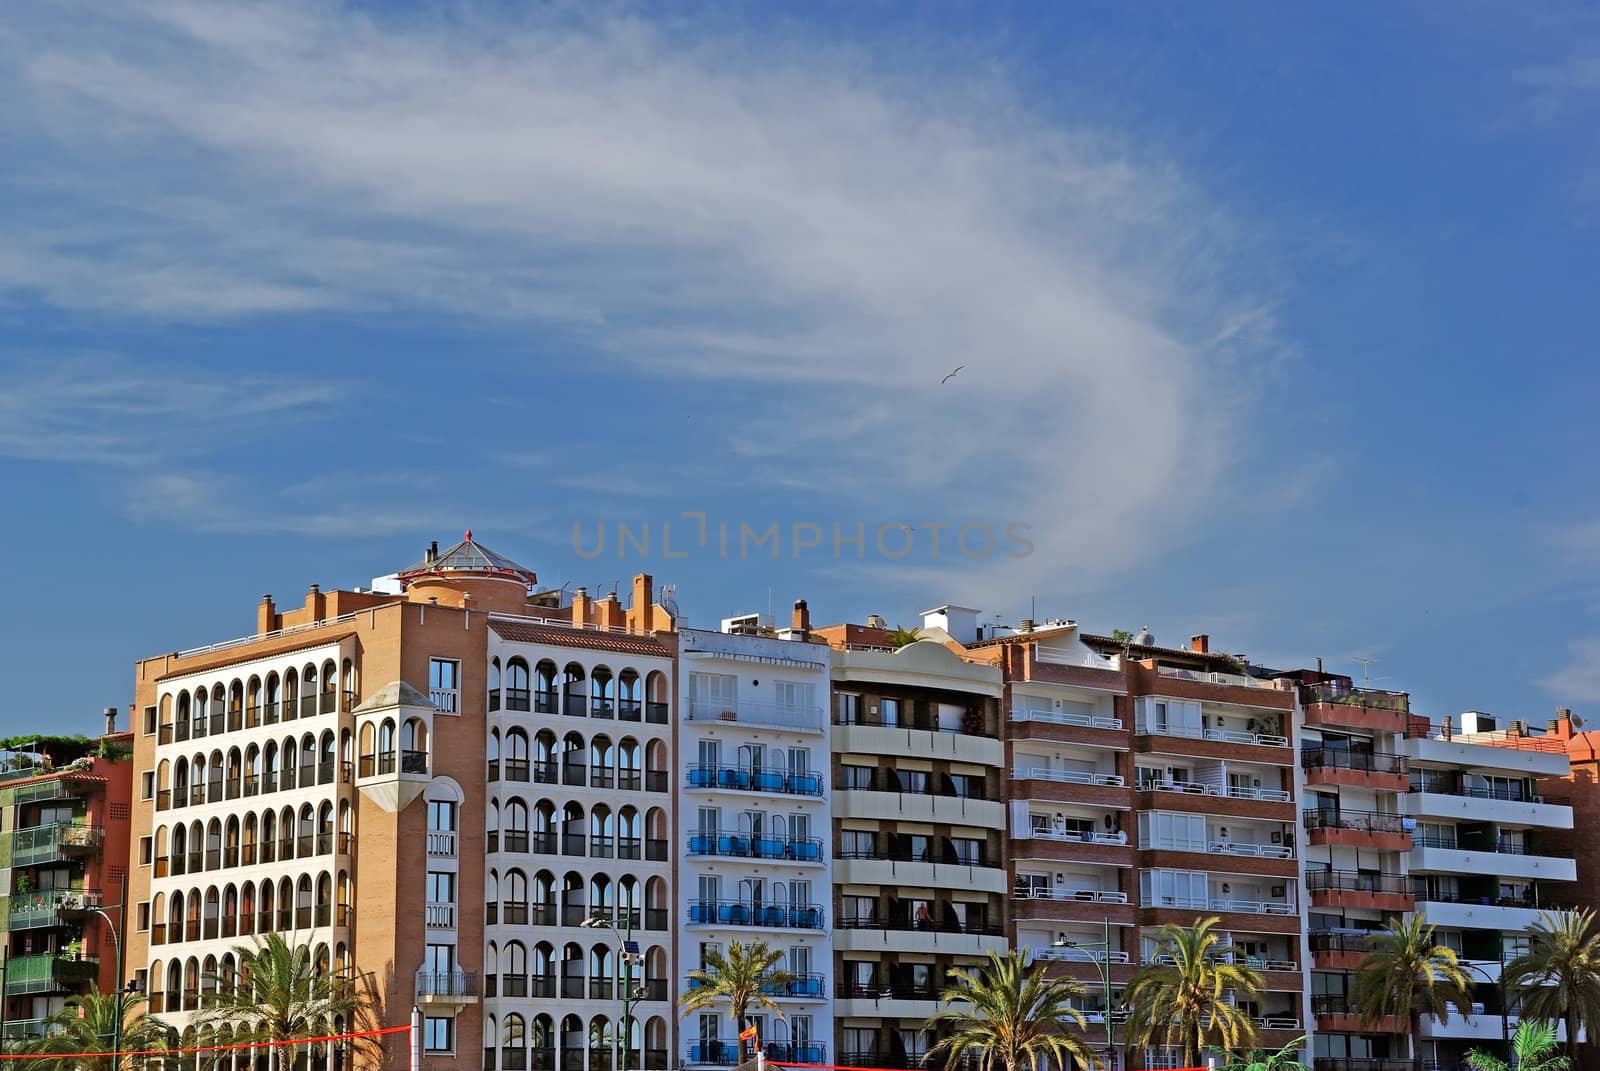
{"points": [[468, 574]]}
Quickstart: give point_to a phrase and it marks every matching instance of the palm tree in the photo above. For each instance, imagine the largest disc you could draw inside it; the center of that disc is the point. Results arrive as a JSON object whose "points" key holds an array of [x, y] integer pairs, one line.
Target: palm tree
{"points": [[1285, 1059], [902, 636], [748, 975], [1558, 978], [1533, 1048], [1015, 1018], [1180, 998], [281, 996], [1406, 974], [88, 1024]]}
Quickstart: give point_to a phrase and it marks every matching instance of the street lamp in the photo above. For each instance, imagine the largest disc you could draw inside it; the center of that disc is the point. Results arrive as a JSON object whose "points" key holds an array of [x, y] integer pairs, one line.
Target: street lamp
{"points": [[1103, 966], [630, 955], [1500, 987], [122, 988]]}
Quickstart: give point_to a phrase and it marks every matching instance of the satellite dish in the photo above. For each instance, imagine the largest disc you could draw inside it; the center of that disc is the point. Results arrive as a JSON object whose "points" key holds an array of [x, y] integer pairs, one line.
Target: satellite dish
{"points": [[669, 599], [1577, 721]]}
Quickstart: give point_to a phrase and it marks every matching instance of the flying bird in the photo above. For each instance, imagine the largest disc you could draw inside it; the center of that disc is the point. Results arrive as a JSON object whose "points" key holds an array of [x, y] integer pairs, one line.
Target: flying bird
{"points": [[952, 375]]}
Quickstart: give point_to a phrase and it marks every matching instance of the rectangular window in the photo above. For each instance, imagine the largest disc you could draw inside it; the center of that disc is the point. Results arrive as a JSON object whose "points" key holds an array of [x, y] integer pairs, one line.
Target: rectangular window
{"points": [[147, 785], [144, 915], [149, 721], [444, 685], [441, 887], [146, 850], [913, 781], [438, 1033], [968, 850], [441, 959], [856, 844], [858, 911], [856, 777], [796, 696], [889, 712], [441, 816], [712, 694], [849, 708]]}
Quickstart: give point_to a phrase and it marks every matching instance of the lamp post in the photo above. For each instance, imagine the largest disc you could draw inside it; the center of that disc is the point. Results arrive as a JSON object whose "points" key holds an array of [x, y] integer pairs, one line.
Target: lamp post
{"points": [[630, 953], [1102, 965], [122, 988], [1500, 987]]}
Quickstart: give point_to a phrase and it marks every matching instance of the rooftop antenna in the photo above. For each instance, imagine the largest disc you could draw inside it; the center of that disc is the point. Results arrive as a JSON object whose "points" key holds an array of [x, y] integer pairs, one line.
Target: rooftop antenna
{"points": [[1366, 668], [1033, 607]]}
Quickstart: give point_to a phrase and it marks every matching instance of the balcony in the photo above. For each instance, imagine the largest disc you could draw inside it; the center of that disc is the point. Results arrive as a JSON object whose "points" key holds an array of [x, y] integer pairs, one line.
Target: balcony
{"points": [[1338, 950], [1339, 707], [1452, 799], [1357, 769], [936, 865], [943, 933], [1508, 858], [49, 974], [770, 781], [756, 714], [1377, 830], [1236, 737], [909, 733], [1338, 1013], [745, 913], [1093, 730], [451, 988], [52, 843], [1359, 889], [804, 850], [50, 908], [940, 808], [1224, 800], [26, 1029]]}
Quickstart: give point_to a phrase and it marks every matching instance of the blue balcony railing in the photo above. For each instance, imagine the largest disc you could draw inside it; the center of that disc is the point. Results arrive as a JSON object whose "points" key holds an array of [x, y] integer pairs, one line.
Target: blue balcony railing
{"points": [[742, 913], [749, 846], [748, 779]]}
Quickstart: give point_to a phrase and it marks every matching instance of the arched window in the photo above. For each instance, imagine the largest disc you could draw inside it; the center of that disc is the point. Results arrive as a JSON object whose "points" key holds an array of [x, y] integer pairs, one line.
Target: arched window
{"points": [[601, 758], [602, 693], [517, 685]]}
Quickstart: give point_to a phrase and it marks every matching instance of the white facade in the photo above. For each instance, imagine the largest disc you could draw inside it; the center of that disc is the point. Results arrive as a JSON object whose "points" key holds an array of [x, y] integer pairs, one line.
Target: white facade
{"points": [[253, 829], [577, 828], [754, 819]]}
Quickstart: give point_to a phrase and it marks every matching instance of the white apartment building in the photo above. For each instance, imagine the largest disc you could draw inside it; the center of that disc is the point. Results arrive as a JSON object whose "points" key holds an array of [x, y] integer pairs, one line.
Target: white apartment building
{"points": [[754, 815]]}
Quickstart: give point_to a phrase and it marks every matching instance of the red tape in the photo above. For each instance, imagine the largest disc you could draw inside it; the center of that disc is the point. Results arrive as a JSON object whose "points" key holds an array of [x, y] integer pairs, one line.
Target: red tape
{"points": [[203, 1048]]}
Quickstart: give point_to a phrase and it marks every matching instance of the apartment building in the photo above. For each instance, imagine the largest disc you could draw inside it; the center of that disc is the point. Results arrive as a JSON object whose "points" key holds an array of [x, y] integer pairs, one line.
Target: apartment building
{"points": [[755, 808], [1358, 838], [480, 743], [1483, 857], [919, 870], [1147, 785], [64, 819]]}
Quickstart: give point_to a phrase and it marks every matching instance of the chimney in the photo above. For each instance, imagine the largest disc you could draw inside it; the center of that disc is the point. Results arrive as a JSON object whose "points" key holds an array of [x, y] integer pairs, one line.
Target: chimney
{"points": [[1025, 625], [609, 612], [644, 597], [800, 623], [1562, 726], [874, 621], [580, 607], [266, 616], [432, 554], [1200, 644], [111, 720], [316, 603]]}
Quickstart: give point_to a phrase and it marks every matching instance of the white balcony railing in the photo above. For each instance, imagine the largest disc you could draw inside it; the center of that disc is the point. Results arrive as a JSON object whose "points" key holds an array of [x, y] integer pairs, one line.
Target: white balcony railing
{"points": [[440, 916], [1070, 777], [1223, 903], [1225, 736], [755, 712], [1066, 717], [1085, 658], [1255, 851], [1233, 680], [1082, 896], [442, 842], [1077, 836], [1070, 954], [1271, 795], [445, 700]]}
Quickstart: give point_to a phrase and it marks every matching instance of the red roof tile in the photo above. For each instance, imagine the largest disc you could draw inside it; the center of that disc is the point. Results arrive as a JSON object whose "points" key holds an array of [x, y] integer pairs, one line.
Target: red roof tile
{"points": [[557, 636]]}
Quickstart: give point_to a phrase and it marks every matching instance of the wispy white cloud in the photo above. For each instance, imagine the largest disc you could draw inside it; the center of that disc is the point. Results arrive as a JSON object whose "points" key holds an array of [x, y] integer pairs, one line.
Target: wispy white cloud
{"points": [[711, 211], [1579, 680]]}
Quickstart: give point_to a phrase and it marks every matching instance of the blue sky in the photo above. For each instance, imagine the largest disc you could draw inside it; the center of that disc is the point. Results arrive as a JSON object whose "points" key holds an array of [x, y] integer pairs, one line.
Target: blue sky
{"points": [[1275, 324]]}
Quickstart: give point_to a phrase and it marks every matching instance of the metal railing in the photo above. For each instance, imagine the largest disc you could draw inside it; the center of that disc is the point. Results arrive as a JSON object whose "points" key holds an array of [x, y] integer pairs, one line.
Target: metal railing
{"points": [[753, 846], [1357, 881], [447, 983], [750, 779], [755, 712], [1070, 777], [1336, 758], [1361, 821], [1225, 736], [1066, 717], [746, 913]]}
